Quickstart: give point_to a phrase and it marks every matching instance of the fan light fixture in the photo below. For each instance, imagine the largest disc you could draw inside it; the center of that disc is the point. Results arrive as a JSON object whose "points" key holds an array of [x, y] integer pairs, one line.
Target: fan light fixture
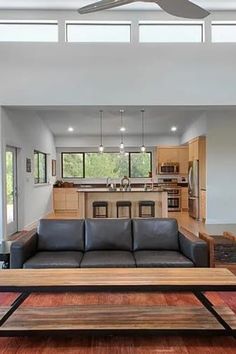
{"points": [[142, 148], [179, 8], [101, 147]]}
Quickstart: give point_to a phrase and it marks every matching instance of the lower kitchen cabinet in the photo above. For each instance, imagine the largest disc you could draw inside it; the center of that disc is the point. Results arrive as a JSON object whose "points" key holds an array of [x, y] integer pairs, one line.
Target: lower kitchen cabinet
{"points": [[65, 199], [184, 198]]}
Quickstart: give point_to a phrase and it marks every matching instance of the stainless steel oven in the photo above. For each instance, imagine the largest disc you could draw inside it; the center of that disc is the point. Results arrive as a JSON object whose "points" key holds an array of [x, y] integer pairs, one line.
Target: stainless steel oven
{"points": [[174, 198], [169, 168]]}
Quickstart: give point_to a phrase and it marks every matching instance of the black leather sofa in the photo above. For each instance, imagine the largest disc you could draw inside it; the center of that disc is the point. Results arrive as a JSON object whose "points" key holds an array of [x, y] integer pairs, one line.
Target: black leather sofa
{"points": [[99, 243]]}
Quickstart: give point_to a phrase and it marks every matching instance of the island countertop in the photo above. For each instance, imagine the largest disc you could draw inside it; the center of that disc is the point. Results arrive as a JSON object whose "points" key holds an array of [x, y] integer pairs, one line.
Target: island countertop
{"points": [[87, 196], [107, 190]]}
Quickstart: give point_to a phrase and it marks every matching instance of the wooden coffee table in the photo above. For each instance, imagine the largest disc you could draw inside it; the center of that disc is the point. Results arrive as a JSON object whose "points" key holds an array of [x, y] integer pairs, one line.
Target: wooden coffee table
{"points": [[117, 319]]}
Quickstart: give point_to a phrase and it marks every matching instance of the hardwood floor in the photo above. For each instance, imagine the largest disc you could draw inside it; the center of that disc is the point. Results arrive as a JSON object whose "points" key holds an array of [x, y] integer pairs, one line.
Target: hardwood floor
{"points": [[117, 344]]}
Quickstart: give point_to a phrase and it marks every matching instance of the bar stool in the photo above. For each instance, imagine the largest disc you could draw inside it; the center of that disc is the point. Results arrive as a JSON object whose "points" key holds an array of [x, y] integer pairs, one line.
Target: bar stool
{"points": [[146, 203], [123, 204], [96, 209]]}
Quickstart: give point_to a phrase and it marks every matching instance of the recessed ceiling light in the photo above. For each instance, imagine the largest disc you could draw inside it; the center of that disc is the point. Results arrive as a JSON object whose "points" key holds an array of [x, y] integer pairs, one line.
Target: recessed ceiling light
{"points": [[70, 129], [173, 129], [122, 129]]}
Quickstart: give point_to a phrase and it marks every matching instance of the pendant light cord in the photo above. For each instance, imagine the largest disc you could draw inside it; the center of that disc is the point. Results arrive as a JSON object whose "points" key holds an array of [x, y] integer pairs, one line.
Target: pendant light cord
{"points": [[142, 111], [101, 127], [122, 123]]}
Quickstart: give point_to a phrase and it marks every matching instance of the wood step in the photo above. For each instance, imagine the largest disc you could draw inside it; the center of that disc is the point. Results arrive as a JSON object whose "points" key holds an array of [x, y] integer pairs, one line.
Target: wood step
{"points": [[110, 317]]}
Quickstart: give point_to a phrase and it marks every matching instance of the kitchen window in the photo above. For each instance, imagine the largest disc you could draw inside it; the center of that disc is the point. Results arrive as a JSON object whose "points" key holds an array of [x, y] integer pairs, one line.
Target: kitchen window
{"points": [[171, 32], [98, 31], [72, 165], [28, 31], [140, 164], [40, 167], [114, 165], [223, 32], [109, 164]]}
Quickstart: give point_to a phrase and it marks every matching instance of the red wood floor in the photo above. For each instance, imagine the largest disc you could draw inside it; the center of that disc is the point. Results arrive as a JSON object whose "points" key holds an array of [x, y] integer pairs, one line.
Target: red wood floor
{"points": [[120, 345]]}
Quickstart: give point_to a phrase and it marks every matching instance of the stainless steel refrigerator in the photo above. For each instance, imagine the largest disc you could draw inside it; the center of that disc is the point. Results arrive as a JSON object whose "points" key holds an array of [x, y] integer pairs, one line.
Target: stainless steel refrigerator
{"points": [[193, 189]]}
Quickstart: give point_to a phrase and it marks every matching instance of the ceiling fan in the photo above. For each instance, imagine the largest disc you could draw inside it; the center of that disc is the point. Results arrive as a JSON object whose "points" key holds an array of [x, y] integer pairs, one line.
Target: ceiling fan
{"points": [[179, 8]]}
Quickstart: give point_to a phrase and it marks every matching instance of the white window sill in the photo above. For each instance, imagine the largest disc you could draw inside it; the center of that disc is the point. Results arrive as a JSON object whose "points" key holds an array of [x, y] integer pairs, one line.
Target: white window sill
{"points": [[36, 185]]}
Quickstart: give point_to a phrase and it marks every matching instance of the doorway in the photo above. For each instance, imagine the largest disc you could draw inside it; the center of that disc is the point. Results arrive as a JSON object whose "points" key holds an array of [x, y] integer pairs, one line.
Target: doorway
{"points": [[11, 190]]}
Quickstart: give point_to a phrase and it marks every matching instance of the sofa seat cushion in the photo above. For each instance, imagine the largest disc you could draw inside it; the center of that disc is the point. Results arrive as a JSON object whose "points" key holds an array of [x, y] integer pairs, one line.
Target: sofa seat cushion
{"points": [[64, 259], [108, 259], [162, 259]]}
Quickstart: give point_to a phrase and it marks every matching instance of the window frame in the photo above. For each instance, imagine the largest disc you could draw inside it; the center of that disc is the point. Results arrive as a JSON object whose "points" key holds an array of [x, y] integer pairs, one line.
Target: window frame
{"points": [[173, 23], [83, 163], [97, 23], [107, 152], [136, 152], [37, 152]]}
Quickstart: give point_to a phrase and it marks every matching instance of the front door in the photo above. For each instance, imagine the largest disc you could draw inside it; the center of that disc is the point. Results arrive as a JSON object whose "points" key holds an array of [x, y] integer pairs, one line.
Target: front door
{"points": [[11, 190]]}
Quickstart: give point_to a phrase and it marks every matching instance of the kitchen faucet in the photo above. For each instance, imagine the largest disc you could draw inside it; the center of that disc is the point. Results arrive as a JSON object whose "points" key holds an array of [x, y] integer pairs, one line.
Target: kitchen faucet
{"points": [[108, 182]]}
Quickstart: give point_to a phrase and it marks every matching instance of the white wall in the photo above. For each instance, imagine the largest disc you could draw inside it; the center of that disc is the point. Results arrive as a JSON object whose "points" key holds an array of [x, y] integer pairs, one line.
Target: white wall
{"points": [[197, 128], [113, 141], [2, 216], [116, 74], [27, 132], [221, 167]]}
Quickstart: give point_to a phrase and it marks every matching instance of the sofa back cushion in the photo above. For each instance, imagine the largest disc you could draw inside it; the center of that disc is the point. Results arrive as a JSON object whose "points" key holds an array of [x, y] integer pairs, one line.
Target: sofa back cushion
{"points": [[108, 234], [155, 234], [61, 235]]}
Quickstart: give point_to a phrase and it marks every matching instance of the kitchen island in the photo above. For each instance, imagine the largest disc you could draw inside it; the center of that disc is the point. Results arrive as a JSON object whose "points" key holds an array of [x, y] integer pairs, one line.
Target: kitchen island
{"points": [[90, 195]]}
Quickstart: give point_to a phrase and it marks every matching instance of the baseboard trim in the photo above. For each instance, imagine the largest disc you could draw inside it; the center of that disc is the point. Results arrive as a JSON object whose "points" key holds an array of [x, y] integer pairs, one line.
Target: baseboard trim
{"points": [[220, 221]]}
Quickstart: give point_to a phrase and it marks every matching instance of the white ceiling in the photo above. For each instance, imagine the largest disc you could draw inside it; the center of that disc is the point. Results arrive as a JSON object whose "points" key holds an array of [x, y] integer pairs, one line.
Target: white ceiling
{"points": [[75, 4], [85, 120]]}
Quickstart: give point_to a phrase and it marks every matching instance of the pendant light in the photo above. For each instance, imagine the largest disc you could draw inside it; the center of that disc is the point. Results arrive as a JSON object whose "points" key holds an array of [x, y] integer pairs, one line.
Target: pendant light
{"points": [[142, 148], [122, 146], [101, 147], [122, 127]]}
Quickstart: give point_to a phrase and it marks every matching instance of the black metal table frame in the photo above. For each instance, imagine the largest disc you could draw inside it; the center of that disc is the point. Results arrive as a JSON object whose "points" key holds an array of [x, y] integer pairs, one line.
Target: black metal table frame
{"points": [[197, 290]]}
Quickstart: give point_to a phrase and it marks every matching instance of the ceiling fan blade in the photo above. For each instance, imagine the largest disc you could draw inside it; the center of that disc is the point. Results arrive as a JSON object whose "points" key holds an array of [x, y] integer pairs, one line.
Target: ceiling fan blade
{"points": [[182, 8], [103, 5]]}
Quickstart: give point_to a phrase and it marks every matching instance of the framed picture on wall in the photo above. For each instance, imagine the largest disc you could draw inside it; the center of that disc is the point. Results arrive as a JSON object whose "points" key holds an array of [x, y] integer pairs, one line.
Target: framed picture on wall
{"points": [[54, 167], [28, 165]]}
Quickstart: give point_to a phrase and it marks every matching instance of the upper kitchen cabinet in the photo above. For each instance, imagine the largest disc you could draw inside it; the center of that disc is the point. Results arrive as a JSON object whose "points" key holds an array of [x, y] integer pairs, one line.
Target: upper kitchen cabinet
{"points": [[183, 159], [173, 154], [169, 154], [197, 148], [197, 151]]}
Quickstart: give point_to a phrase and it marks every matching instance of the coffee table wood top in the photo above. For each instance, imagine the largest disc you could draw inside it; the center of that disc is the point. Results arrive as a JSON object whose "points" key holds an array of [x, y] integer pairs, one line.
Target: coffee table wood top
{"points": [[110, 277]]}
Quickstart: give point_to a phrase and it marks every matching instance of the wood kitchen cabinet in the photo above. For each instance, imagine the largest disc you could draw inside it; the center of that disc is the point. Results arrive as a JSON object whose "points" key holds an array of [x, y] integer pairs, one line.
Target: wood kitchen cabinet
{"points": [[203, 205], [194, 149], [167, 154], [65, 199], [197, 151], [173, 154], [184, 198], [183, 160]]}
